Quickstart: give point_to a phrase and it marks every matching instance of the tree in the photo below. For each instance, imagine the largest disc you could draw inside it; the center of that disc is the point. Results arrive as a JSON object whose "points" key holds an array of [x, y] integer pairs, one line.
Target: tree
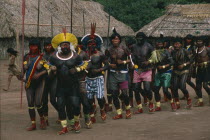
{"points": [[137, 13]]}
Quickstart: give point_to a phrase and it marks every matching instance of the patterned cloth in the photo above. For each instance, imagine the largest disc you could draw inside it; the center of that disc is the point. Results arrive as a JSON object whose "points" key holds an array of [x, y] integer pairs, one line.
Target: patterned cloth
{"points": [[143, 76], [95, 86]]}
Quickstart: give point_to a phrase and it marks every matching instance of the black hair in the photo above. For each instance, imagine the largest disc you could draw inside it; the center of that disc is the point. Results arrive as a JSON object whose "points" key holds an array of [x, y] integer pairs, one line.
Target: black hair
{"points": [[189, 36], [177, 40], [129, 40], [47, 41], [114, 35], [141, 34], [35, 42], [160, 40], [12, 51], [203, 38]]}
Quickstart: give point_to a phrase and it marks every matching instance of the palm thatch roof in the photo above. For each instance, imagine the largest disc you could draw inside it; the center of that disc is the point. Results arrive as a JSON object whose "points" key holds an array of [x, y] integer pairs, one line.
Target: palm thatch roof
{"points": [[181, 20], [59, 10]]}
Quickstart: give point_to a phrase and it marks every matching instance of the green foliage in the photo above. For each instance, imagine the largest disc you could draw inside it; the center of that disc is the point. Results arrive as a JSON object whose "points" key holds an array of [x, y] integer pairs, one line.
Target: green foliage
{"points": [[137, 13]]}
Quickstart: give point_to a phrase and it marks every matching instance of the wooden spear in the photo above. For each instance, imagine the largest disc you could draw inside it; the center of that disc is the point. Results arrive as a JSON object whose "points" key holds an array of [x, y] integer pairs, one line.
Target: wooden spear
{"points": [[71, 14], [23, 21], [84, 21], [51, 26], [38, 18], [108, 27]]}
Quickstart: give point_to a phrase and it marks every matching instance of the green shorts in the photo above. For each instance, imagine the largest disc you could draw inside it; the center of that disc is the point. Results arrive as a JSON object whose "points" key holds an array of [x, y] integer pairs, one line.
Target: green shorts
{"points": [[163, 79]]}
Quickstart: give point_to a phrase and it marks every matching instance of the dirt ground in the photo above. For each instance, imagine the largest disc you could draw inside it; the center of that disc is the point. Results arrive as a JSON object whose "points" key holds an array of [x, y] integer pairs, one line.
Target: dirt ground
{"points": [[183, 124]]}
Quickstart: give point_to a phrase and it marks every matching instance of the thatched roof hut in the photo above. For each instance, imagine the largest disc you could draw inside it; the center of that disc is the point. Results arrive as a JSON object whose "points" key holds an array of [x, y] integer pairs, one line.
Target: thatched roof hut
{"points": [[181, 20], [59, 10], [60, 13]]}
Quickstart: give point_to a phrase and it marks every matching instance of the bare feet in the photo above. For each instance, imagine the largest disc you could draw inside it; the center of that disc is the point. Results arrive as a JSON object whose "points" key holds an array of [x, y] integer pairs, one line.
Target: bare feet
{"points": [[5, 89]]}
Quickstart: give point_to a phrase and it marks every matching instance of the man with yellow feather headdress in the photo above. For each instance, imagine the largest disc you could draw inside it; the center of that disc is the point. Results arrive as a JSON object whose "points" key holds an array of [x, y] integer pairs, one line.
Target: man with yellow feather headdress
{"points": [[66, 63]]}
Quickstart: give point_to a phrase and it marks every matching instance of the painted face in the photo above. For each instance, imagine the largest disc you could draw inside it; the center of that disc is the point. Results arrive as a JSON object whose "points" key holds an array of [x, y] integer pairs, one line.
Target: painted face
{"points": [[92, 45], [65, 48], [34, 49], [159, 45], [48, 48], [199, 43], [188, 41], [116, 41], [177, 45]]}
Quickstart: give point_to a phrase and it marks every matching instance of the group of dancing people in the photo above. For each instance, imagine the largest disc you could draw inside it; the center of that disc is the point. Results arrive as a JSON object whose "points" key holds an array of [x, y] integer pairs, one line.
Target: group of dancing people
{"points": [[74, 75]]}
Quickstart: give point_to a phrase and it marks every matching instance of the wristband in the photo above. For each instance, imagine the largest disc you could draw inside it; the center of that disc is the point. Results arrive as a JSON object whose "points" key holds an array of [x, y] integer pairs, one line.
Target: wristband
{"points": [[78, 69], [124, 62], [185, 64], [164, 66]]}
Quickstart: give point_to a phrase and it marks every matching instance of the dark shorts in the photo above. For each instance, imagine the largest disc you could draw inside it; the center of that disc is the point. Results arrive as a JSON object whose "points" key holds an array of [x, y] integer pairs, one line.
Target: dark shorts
{"points": [[118, 80], [203, 74]]}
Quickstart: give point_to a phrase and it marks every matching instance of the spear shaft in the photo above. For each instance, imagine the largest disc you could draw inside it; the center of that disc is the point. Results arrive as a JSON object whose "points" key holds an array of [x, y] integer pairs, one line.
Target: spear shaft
{"points": [[108, 24], [38, 18], [51, 26], [84, 21], [71, 14], [23, 21]]}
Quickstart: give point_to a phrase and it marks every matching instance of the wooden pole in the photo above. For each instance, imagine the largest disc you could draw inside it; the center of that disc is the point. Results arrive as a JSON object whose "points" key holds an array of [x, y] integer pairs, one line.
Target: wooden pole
{"points": [[18, 46], [108, 26], [38, 18], [23, 21], [84, 21], [51, 26], [71, 14], [54, 25]]}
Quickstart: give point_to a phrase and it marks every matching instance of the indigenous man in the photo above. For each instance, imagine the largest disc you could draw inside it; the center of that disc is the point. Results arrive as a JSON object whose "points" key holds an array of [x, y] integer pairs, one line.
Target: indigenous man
{"points": [[189, 45], [163, 61], [141, 52], [167, 46], [181, 68], [95, 79], [36, 70], [66, 64], [129, 41], [50, 83], [117, 75], [82, 83], [202, 62]]}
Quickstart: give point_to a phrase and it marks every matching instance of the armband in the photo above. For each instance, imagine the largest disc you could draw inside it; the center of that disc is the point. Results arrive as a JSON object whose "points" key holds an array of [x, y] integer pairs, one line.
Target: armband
{"points": [[136, 66]]}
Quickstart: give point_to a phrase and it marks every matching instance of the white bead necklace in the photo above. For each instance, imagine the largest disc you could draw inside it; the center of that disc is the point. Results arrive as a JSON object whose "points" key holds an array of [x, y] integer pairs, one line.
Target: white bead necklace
{"points": [[201, 50]]}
